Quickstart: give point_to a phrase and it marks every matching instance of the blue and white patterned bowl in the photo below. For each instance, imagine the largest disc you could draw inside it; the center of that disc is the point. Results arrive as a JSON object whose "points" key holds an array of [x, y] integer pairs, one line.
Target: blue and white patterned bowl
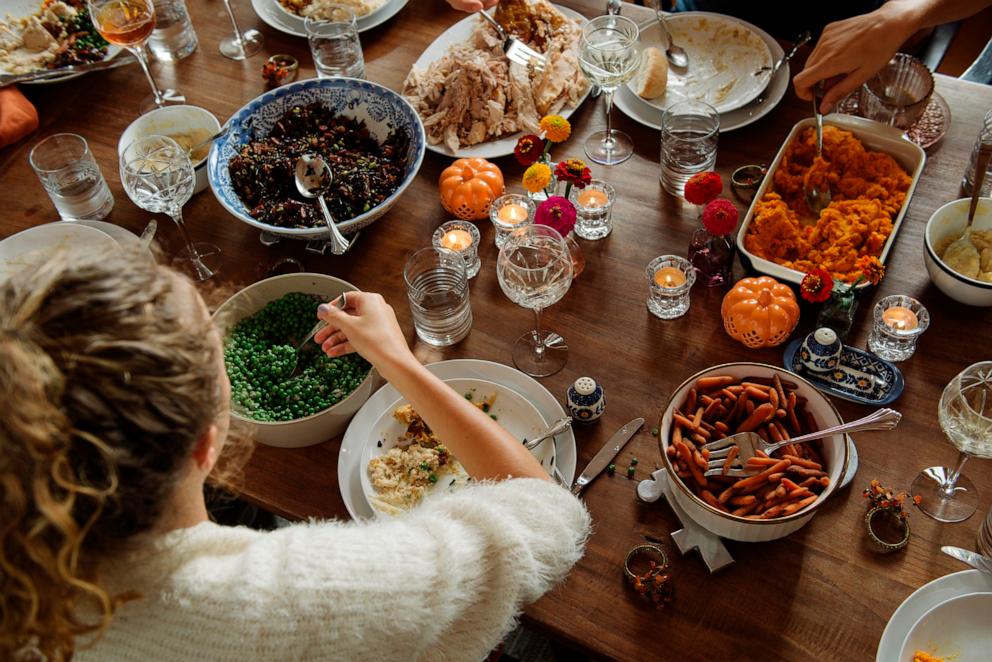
{"points": [[380, 108]]}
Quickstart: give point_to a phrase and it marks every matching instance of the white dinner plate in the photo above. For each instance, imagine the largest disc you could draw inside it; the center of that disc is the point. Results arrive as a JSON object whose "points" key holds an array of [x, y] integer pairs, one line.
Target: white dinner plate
{"points": [[723, 55], [273, 15], [124, 237], [34, 245], [462, 31], [512, 411], [19, 8], [923, 600], [956, 629], [357, 434], [641, 111]]}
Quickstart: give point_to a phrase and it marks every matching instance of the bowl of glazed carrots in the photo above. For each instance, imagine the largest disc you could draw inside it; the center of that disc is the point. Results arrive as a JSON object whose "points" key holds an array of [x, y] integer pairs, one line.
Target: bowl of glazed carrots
{"points": [[780, 493]]}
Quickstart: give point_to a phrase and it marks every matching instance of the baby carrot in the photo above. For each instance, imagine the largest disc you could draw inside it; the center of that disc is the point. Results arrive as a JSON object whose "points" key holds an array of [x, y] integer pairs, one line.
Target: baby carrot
{"points": [[718, 381], [731, 454], [756, 418]]}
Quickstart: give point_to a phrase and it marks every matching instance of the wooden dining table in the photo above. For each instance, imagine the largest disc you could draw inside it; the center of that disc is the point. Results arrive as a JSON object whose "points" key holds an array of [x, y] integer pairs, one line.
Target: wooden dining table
{"points": [[820, 593]]}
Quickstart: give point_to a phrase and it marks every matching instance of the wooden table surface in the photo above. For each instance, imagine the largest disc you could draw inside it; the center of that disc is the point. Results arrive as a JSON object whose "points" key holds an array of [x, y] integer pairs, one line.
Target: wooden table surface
{"points": [[818, 594]]}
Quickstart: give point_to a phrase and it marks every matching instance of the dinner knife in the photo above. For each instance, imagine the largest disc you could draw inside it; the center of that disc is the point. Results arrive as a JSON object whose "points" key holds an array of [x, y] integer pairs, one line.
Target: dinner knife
{"points": [[975, 560], [113, 63], [607, 453]]}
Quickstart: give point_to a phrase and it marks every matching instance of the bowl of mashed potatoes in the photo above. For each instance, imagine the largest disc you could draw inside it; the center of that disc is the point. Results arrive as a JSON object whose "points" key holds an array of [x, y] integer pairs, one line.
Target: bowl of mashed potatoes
{"points": [[962, 271]]}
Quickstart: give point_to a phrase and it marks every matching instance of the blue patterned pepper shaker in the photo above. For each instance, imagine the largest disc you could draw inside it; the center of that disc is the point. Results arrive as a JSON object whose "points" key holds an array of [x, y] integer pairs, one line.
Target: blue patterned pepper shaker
{"points": [[586, 400]]}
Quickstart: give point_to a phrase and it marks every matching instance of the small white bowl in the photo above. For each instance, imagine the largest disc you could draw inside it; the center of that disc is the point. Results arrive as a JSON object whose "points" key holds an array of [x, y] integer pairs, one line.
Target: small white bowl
{"points": [[324, 424], [956, 629], [169, 121], [950, 220]]}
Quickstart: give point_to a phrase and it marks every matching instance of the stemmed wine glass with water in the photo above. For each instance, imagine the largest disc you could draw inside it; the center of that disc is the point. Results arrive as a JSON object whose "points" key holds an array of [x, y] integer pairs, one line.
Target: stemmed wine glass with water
{"points": [[534, 269], [609, 55], [129, 23], [240, 45], [965, 414], [158, 177]]}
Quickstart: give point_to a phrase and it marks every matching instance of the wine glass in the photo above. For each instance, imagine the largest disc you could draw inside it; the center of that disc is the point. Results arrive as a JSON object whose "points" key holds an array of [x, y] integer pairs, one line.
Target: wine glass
{"points": [[965, 414], [609, 55], [158, 177], [128, 23], [535, 270], [240, 45]]}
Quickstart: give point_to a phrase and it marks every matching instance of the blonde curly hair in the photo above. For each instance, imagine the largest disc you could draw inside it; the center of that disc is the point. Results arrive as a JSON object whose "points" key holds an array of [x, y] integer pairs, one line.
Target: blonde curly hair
{"points": [[107, 382]]}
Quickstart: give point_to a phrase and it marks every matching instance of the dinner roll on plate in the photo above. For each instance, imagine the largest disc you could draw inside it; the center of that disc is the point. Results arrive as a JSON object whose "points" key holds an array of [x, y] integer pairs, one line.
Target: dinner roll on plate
{"points": [[652, 77]]}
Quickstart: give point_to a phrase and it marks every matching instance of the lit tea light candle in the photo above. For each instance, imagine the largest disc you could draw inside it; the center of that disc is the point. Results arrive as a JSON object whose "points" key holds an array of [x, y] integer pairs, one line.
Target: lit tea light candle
{"points": [[900, 318], [456, 240], [591, 198], [512, 214], [669, 277]]}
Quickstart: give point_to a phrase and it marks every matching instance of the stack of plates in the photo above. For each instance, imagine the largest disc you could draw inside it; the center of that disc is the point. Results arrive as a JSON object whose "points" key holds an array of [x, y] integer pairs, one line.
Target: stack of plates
{"points": [[272, 13], [36, 244], [724, 53], [372, 423]]}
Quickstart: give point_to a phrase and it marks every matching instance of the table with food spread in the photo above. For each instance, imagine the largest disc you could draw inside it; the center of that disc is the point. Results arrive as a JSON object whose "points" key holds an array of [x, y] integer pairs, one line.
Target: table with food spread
{"points": [[775, 561]]}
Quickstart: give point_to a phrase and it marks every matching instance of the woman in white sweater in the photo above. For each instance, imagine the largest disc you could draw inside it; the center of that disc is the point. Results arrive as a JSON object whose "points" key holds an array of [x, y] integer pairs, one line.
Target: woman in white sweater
{"points": [[116, 411]]}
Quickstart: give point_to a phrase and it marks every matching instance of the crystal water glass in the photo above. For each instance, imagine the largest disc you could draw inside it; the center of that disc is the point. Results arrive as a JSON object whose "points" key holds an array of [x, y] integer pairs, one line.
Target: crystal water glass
{"points": [[609, 56], [463, 238], [510, 212], [158, 177], [240, 45], [437, 288], [173, 37], [72, 177], [334, 43], [898, 94], [670, 278], [593, 209], [534, 270], [689, 135], [965, 415], [897, 323]]}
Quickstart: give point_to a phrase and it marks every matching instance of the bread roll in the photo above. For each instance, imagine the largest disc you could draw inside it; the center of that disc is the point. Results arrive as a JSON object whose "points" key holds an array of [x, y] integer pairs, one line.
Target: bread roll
{"points": [[652, 77]]}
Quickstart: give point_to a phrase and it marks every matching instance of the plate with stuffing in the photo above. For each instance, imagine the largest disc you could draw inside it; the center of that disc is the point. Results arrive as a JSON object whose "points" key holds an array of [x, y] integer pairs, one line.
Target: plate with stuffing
{"points": [[476, 103], [46, 36], [287, 16], [404, 462]]}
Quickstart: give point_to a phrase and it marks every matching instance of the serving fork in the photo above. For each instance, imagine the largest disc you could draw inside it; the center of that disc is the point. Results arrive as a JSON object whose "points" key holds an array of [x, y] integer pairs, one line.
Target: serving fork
{"points": [[748, 443], [515, 50]]}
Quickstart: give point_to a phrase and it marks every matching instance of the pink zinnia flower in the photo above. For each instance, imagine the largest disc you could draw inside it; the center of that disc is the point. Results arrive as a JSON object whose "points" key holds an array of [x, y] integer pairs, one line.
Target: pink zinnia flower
{"points": [[558, 213], [720, 217]]}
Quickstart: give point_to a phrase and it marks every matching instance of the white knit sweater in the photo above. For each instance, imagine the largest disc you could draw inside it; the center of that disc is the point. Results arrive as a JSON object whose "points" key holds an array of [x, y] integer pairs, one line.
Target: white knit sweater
{"points": [[442, 582]]}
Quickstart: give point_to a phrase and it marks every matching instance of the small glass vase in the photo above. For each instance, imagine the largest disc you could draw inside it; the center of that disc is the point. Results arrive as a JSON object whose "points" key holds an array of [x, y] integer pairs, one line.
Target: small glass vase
{"points": [[712, 257], [838, 312], [578, 256], [550, 189]]}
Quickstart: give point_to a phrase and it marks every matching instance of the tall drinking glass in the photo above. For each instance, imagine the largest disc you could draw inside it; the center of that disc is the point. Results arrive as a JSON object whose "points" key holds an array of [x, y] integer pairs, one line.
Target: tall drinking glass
{"points": [[158, 177], [129, 23], [609, 56], [72, 177], [534, 269], [965, 414], [334, 43], [437, 288], [689, 134], [240, 45]]}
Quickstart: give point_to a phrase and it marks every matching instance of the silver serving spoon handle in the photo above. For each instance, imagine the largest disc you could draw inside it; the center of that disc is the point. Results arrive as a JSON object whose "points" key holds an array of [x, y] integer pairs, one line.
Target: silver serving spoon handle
{"points": [[313, 177]]}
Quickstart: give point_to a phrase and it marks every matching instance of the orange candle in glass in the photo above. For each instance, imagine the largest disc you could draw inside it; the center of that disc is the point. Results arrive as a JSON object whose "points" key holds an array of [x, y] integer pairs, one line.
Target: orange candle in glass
{"points": [[669, 277], [900, 318], [591, 198], [456, 240]]}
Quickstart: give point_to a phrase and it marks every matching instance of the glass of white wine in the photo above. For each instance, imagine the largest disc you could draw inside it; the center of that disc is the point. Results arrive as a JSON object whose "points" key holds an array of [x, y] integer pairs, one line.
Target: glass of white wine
{"points": [[534, 269], [609, 55], [965, 414]]}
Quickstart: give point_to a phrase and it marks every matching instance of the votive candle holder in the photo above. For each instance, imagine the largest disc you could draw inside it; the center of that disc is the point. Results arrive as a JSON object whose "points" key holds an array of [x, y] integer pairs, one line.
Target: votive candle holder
{"points": [[670, 299], [898, 322], [507, 214], [593, 209], [461, 237]]}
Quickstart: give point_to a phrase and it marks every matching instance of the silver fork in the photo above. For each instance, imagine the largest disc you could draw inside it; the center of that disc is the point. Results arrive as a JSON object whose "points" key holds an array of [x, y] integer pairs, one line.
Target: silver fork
{"points": [[516, 50], [340, 303], [749, 442]]}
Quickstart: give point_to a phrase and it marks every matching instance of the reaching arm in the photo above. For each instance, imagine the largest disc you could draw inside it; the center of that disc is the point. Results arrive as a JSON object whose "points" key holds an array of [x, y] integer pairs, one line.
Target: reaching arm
{"points": [[851, 51], [472, 5]]}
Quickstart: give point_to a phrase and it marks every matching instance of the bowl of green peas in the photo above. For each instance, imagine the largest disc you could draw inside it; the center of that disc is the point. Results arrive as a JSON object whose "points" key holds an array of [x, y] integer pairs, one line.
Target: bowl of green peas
{"points": [[289, 399]]}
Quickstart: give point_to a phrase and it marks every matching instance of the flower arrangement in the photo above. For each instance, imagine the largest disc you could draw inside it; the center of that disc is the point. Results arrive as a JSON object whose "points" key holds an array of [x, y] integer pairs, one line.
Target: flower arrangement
{"points": [[711, 251], [819, 285], [886, 499], [886, 519]]}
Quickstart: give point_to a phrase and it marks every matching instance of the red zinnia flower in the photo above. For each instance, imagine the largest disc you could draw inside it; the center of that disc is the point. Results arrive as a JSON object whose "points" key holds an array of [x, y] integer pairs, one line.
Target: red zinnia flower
{"points": [[529, 149], [720, 217], [573, 171], [817, 285], [703, 187], [558, 213]]}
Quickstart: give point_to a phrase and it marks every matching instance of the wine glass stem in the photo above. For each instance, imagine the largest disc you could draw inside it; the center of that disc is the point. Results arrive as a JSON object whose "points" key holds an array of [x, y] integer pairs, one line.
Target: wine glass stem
{"points": [[177, 216], [608, 98], [538, 336], [952, 480], [234, 21], [142, 56]]}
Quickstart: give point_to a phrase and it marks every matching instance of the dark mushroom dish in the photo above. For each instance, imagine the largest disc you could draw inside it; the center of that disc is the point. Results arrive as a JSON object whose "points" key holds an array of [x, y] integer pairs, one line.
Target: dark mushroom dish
{"points": [[365, 171]]}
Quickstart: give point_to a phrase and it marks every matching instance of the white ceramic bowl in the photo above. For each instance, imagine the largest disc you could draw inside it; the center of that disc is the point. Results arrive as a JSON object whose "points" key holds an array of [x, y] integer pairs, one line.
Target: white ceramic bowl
{"points": [[740, 528], [956, 629], [324, 424], [950, 220], [169, 121]]}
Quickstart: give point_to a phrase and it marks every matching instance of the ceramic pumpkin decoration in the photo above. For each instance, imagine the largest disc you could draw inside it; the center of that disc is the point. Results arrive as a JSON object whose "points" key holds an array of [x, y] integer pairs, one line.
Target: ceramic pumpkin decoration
{"points": [[468, 188], [760, 312]]}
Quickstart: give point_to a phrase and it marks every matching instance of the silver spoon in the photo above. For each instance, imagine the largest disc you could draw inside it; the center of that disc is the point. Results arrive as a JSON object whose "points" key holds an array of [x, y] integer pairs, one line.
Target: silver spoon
{"points": [[815, 198], [676, 55], [313, 177], [340, 303], [207, 141], [963, 243]]}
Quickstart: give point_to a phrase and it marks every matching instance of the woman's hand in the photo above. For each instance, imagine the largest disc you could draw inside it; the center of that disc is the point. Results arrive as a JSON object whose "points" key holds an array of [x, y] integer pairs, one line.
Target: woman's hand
{"points": [[368, 326], [472, 5]]}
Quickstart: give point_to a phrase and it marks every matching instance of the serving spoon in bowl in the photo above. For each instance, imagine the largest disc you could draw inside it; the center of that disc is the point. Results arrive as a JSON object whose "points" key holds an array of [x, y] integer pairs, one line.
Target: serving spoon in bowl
{"points": [[816, 199], [313, 177], [962, 248], [676, 55]]}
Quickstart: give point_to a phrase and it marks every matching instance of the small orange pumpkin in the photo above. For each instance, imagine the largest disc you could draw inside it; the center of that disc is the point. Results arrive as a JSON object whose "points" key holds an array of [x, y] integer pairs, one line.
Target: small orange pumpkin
{"points": [[760, 312], [468, 188]]}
